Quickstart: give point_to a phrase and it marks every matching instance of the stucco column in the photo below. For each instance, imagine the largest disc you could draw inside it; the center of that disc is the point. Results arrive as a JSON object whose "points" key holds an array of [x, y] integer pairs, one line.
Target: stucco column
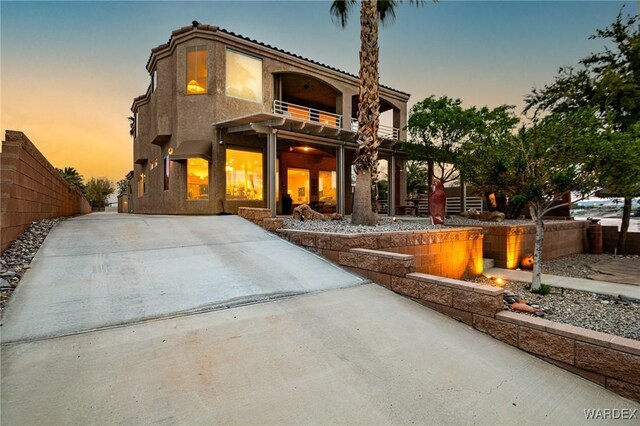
{"points": [[400, 120], [340, 178], [346, 110], [391, 195], [271, 171]]}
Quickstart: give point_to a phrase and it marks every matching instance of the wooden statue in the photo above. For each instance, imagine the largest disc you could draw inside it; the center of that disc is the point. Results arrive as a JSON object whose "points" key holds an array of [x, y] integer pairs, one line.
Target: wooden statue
{"points": [[437, 202]]}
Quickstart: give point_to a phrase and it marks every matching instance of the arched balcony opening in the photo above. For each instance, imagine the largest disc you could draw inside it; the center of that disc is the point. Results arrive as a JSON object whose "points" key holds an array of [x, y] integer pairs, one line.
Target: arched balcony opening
{"points": [[307, 98]]}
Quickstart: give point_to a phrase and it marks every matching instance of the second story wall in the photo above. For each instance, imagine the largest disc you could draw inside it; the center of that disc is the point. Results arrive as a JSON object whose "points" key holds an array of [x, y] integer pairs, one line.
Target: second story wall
{"points": [[177, 115]]}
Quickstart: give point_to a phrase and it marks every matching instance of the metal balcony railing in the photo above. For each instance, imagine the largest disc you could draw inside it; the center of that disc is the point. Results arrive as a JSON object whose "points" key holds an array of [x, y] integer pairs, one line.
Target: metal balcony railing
{"points": [[384, 132], [307, 114]]}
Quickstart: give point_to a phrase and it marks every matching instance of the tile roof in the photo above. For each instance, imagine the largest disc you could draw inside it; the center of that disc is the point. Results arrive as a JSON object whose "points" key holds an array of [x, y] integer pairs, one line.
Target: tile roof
{"points": [[212, 28]]}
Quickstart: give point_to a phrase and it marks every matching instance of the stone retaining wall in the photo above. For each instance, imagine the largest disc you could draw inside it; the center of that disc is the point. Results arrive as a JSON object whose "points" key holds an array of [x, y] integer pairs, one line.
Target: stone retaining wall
{"points": [[508, 244], [608, 360], [611, 361], [261, 217], [31, 189], [455, 252]]}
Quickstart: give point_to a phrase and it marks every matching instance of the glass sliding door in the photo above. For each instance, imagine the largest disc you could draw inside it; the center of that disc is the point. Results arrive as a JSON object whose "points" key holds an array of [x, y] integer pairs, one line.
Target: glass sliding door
{"points": [[298, 185]]}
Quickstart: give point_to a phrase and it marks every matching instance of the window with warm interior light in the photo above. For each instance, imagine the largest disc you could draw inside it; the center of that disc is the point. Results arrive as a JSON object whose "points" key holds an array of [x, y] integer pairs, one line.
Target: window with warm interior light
{"points": [[166, 173], [298, 185], [244, 175], [196, 70], [243, 76], [197, 179], [327, 187]]}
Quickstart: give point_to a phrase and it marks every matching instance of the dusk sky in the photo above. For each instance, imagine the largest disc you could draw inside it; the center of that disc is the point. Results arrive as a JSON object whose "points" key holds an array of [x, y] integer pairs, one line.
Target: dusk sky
{"points": [[70, 70]]}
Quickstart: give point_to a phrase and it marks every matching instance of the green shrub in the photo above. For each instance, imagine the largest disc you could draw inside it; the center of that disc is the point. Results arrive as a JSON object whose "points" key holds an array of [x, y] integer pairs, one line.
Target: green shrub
{"points": [[544, 289]]}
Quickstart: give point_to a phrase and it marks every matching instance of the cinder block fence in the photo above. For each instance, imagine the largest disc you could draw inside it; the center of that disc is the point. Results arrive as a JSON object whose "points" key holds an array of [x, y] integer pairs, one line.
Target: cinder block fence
{"points": [[31, 189]]}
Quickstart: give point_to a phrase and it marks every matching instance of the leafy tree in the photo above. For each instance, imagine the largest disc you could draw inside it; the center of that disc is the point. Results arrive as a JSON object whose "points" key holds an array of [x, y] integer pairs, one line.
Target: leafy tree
{"points": [[371, 12], [98, 191], [551, 159], [438, 127], [486, 162], [123, 186], [417, 178], [618, 164], [73, 178], [609, 81]]}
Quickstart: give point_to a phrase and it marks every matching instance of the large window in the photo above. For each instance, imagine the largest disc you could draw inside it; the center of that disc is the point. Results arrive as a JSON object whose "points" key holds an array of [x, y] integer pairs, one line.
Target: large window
{"points": [[197, 179], [298, 185], [244, 175], [196, 70], [327, 187], [243, 76]]}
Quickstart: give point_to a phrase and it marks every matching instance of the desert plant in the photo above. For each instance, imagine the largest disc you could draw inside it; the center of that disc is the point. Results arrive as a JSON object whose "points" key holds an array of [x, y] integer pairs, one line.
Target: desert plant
{"points": [[98, 191]]}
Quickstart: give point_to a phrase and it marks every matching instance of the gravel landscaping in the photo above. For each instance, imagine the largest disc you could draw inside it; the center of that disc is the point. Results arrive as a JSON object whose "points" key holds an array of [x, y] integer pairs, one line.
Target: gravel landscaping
{"points": [[387, 224], [17, 258], [345, 227], [608, 314], [464, 221]]}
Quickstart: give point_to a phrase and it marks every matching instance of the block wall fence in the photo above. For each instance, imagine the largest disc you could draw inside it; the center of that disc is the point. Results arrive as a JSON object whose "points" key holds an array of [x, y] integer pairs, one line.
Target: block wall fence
{"points": [[610, 361], [506, 245], [610, 240], [31, 189]]}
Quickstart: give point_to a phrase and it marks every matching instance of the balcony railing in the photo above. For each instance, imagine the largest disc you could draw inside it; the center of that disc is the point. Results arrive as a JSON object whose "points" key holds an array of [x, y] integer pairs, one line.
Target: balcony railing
{"points": [[307, 114], [384, 132]]}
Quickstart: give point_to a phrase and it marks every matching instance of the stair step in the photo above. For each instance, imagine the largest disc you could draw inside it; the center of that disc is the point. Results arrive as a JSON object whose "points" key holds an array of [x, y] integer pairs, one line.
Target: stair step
{"points": [[488, 263]]}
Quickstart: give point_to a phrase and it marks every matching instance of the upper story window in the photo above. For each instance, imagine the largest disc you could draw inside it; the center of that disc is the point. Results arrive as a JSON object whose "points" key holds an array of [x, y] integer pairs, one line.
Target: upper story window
{"points": [[154, 80], [243, 76], [135, 125], [196, 70]]}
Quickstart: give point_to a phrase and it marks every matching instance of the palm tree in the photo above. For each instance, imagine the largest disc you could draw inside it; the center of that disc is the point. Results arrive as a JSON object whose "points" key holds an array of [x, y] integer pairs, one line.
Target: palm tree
{"points": [[371, 12], [73, 178]]}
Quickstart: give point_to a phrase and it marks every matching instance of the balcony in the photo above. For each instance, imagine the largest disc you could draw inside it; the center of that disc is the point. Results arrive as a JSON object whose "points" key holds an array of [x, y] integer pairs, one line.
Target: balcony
{"points": [[384, 132], [307, 114]]}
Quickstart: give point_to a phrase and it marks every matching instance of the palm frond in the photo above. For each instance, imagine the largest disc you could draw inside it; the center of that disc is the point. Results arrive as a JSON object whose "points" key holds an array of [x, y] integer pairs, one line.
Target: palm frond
{"points": [[340, 11]]}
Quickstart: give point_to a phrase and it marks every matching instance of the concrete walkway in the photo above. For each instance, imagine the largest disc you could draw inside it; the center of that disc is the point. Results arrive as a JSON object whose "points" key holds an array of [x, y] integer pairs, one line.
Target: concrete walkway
{"points": [[106, 269], [124, 304], [600, 287]]}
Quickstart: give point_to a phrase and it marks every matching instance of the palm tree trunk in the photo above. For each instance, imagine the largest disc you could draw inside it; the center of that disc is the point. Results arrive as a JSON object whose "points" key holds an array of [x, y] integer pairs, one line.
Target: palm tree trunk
{"points": [[368, 115]]}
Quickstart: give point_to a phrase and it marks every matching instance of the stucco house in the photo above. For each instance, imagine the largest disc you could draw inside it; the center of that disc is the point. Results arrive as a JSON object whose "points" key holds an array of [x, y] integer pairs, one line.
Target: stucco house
{"points": [[228, 121]]}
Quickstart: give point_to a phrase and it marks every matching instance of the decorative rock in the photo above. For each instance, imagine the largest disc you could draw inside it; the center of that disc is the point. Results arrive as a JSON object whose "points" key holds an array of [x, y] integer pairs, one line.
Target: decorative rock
{"points": [[522, 307], [304, 212], [18, 256]]}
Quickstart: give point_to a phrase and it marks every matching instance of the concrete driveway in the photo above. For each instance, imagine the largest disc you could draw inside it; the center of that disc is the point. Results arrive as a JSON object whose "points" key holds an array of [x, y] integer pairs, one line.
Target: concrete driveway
{"points": [[356, 354], [106, 269]]}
